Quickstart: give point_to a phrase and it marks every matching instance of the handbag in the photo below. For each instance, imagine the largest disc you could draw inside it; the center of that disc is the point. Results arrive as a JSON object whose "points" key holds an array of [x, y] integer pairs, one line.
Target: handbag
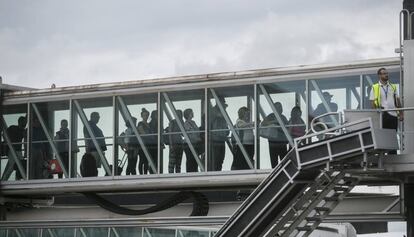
{"points": [[269, 132], [54, 167]]}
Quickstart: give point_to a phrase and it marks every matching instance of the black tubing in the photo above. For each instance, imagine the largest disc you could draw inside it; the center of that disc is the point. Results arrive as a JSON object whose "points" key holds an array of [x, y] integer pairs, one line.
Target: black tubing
{"points": [[200, 204]]}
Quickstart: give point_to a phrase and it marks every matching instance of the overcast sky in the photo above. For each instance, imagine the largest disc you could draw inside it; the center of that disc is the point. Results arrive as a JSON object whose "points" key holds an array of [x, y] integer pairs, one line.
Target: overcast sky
{"points": [[94, 41]]}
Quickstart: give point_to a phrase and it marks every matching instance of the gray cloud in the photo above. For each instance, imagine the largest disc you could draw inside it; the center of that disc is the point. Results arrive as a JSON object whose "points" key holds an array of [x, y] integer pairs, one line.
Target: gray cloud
{"points": [[82, 42]]}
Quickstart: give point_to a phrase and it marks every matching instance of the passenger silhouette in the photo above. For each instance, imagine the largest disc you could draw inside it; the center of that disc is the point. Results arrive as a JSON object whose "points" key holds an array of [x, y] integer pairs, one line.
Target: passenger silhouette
{"points": [[244, 129], [16, 133], [277, 139], [297, 127], [97, 132], [131, 147], [153, 139], [321, 109], [176, 144], [193, 132], [39, 152], [218, 138], [144, 130], [62, 137]]}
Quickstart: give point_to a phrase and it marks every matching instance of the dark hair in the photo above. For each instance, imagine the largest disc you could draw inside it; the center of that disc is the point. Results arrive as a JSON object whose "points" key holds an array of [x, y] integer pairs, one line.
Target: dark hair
{"points": [[22, 119], [379, 70], [242, 112], [179, 113], [128, 125], [144, 110], [187, 113], [63, 120]]}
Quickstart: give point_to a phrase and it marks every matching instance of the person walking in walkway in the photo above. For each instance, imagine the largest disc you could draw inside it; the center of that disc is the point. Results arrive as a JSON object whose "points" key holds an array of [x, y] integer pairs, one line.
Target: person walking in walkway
{"points": [[195, 140], [278, 141], [176, 144], [143, 130], [384, 95], [131, 147], [100, 139]]}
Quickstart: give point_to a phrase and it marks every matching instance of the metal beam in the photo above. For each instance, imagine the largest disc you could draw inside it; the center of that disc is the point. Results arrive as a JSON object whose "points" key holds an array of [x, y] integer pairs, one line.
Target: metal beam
{"points": [[277, 115], [128, 117], [50, 140], [184, 132], [92, 136], [231, 127]]}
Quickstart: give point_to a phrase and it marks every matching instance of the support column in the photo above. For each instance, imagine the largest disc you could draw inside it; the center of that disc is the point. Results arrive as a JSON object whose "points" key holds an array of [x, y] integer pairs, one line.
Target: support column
{"points": [[408, 96], [409, 207]]}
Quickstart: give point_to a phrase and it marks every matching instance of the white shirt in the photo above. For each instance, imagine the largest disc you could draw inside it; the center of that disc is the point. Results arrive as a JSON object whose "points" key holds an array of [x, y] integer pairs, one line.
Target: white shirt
{"points": [[248, 137], [387, 97]]}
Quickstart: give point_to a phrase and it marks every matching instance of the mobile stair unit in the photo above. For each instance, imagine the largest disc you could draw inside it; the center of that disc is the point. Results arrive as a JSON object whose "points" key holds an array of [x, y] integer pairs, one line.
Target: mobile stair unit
{"points": [[309, 182]]}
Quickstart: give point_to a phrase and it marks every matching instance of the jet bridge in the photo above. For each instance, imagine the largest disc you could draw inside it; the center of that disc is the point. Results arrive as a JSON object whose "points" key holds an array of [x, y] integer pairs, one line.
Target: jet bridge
{"points": [[302, 190]]}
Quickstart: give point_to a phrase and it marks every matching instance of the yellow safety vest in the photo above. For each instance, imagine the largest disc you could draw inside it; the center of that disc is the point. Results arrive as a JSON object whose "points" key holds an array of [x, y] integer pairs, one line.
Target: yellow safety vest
{"points": [[377, 94]]}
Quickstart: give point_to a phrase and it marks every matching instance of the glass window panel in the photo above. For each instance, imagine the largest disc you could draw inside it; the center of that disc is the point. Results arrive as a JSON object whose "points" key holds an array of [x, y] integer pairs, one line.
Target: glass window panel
{"points": [[225, 153], [126, 232], [99, 116], [288, 99], [24, 232], [61, 232], [143, 109], [193, 233], [154, 232], [178, 154], [18, 136], [96, 231], [333, 95], [44, 154]]}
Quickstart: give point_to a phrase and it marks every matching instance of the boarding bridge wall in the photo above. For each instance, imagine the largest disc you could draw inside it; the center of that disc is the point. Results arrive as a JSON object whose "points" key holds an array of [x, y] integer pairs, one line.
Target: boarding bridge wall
{"points": [[408, 99], [312, 91]]}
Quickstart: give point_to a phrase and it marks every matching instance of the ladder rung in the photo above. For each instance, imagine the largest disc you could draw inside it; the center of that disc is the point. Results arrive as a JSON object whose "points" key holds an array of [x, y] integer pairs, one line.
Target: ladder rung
{"points": [[349, 179], [314, 218], [304, 228], [331, 199], [340, 189], [322, 209]]}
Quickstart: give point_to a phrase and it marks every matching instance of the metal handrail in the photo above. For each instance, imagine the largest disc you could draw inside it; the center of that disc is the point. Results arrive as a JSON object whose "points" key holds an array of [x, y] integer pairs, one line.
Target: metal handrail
{"points": [[315, 121]]}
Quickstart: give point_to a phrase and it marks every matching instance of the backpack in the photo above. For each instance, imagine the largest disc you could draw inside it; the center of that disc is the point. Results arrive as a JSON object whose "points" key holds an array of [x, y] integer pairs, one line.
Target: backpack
{"points": [[88, 166]]}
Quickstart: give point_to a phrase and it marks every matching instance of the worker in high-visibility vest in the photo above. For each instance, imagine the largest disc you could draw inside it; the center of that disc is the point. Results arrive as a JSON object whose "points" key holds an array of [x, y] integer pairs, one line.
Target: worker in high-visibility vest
{"points": [[384, 95]]}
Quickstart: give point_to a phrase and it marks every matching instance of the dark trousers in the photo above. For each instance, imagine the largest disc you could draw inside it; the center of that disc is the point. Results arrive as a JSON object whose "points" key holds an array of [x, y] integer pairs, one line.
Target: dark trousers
{"points": [[390, 122], [191, 163], [65, 160], [276, 150], [132, 156], [175, 158], [152, 150], [239, 161], [143, 162], [217, 153]]}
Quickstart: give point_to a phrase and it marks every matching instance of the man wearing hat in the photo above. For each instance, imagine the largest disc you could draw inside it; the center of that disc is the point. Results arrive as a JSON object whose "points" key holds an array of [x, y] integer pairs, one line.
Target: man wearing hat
{"points": [[321, 109]]}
